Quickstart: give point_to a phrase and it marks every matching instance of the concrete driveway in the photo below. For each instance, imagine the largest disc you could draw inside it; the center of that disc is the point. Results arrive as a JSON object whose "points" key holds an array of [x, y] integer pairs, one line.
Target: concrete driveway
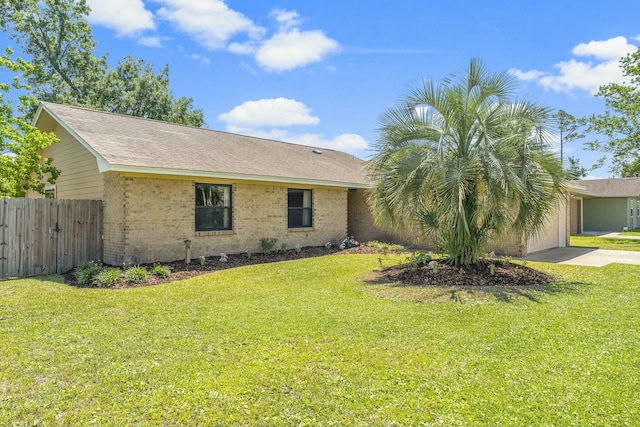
{"points": [[585, 256]]}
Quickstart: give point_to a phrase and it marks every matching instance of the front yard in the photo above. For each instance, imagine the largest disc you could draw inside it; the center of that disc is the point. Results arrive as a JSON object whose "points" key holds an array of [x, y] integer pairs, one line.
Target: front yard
{"points": [[321, 342]]}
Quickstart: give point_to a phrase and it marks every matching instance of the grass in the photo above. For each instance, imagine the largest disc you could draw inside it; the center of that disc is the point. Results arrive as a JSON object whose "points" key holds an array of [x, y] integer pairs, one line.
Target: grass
{"points": [[606, 243], [310, 342], [634, 232]]}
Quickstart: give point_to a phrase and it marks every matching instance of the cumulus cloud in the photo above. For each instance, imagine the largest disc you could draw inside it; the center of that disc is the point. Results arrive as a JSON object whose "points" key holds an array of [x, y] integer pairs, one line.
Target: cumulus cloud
{"points": [[268, 118], [211, 23], [600, 68], [126, 17], [290, 47], [294, 48], [270, 112]]}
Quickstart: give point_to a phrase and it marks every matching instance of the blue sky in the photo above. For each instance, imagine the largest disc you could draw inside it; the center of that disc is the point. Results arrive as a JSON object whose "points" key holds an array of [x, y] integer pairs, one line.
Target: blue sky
{"points": [[321, 72]]}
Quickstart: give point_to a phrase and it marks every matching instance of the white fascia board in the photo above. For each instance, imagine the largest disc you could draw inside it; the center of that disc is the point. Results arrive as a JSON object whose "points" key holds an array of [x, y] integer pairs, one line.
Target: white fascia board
{"points": [[226, 175]]}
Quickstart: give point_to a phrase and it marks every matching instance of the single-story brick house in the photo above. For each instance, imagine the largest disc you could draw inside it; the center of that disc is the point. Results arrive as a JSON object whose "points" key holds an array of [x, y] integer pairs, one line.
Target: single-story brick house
{"points": [[162, 184], [605, 205]]}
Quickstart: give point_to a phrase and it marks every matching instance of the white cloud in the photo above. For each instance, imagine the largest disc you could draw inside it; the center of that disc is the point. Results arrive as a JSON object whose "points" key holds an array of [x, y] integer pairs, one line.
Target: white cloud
{"points": [[150, 41], [578, 75], [295, 48], [347, 142], [200, 58], [211, 23], [286, 18], [611, 49], [289, 47], [267, 118], [269, 112], [126, 17]]}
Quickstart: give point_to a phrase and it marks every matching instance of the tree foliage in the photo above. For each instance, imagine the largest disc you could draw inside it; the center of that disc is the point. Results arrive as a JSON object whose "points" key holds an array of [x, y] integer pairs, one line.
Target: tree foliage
{"points": [[574, 170], [21, 166], [462, 160], [620, 123], [57, 36]]}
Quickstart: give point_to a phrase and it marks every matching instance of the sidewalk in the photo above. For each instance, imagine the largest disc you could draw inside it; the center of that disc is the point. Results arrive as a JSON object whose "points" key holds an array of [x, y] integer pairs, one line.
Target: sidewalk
{"points": [[585, 256]]}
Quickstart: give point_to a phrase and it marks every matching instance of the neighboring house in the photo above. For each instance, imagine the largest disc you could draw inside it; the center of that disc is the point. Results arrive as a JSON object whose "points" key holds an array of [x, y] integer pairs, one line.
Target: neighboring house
{"points": [[162, 184], [605, 205]]}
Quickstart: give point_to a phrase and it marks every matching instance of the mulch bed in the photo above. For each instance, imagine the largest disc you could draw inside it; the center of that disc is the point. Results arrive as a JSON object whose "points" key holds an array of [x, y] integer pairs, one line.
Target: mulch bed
{"points": [[180, 270], [506, 274]]}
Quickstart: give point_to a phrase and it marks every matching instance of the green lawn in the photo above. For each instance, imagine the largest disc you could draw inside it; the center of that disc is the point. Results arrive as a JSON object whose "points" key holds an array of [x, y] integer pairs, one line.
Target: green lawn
{"points": [[309, 343], [606, 243], [634, 232]]}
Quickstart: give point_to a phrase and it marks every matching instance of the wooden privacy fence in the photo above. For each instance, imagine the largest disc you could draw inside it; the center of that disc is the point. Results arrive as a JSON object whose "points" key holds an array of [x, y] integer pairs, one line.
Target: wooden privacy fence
{"points": [[44, 236]]}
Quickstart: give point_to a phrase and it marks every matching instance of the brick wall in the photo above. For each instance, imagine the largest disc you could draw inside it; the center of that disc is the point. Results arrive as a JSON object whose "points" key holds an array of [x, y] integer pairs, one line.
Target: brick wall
{"points": [[113, 218], [155, 216], [360, 220]]}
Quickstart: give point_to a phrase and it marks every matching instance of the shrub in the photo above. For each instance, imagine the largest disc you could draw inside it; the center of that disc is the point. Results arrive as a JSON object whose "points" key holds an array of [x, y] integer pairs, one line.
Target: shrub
{"points": [[161, 270], [136, 275], [385, 248], [201, 259], [107, 277], [418, 259], [223, 257], [86, 272], [298, 248], [267, 244], [283, 247], [248, 253]]}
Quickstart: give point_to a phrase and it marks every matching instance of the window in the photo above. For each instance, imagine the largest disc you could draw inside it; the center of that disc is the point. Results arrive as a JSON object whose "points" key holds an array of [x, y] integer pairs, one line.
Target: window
{"points": [[213, 207], [50, 192], [299, 208]]}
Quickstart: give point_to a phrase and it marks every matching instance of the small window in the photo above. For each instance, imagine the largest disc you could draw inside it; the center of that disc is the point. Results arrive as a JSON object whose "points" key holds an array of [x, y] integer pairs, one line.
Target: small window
{"points": [[50, 192], [300, 211], [213, 207]]}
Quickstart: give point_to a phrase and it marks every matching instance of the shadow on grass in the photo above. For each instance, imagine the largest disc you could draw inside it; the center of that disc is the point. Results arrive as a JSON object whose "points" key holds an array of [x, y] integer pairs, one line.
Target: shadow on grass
{"points": [[55, 278], [464, 294]]}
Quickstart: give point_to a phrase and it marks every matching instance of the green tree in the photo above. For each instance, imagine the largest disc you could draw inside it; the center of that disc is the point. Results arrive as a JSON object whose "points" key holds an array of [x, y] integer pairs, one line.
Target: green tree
{"points": [[462, 160], [57, 36], [21, 166], [620, 123], [574, 170], [128, 88], [568, 130]]}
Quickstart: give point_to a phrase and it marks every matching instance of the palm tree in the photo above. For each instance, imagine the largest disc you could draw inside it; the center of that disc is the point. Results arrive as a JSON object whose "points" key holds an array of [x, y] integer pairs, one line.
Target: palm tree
{"points": [[462, 160]]}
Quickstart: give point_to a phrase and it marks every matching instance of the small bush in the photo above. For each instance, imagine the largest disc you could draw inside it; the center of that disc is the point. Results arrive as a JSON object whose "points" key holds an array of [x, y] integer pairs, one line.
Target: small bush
{"points": [[385, 248], [86, 272], [298, 248], [283, 247], [160, 270], [107, 277], [417, 260], [201, 259], [136, 275], [248, 254], [348, 243], [267, 244]]}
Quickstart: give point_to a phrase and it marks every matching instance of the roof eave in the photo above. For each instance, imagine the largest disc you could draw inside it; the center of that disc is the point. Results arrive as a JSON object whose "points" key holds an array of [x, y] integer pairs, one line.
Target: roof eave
{"points": [[107, 167]]}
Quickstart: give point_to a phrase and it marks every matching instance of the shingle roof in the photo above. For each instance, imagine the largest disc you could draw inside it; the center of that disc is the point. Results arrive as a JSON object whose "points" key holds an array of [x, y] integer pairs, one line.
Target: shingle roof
{"points": [[612, 187], [126, 143]]}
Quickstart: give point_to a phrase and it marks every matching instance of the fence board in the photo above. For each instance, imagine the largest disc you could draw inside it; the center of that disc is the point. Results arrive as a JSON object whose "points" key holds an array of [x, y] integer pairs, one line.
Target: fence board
{"points": [[43, 236]]}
